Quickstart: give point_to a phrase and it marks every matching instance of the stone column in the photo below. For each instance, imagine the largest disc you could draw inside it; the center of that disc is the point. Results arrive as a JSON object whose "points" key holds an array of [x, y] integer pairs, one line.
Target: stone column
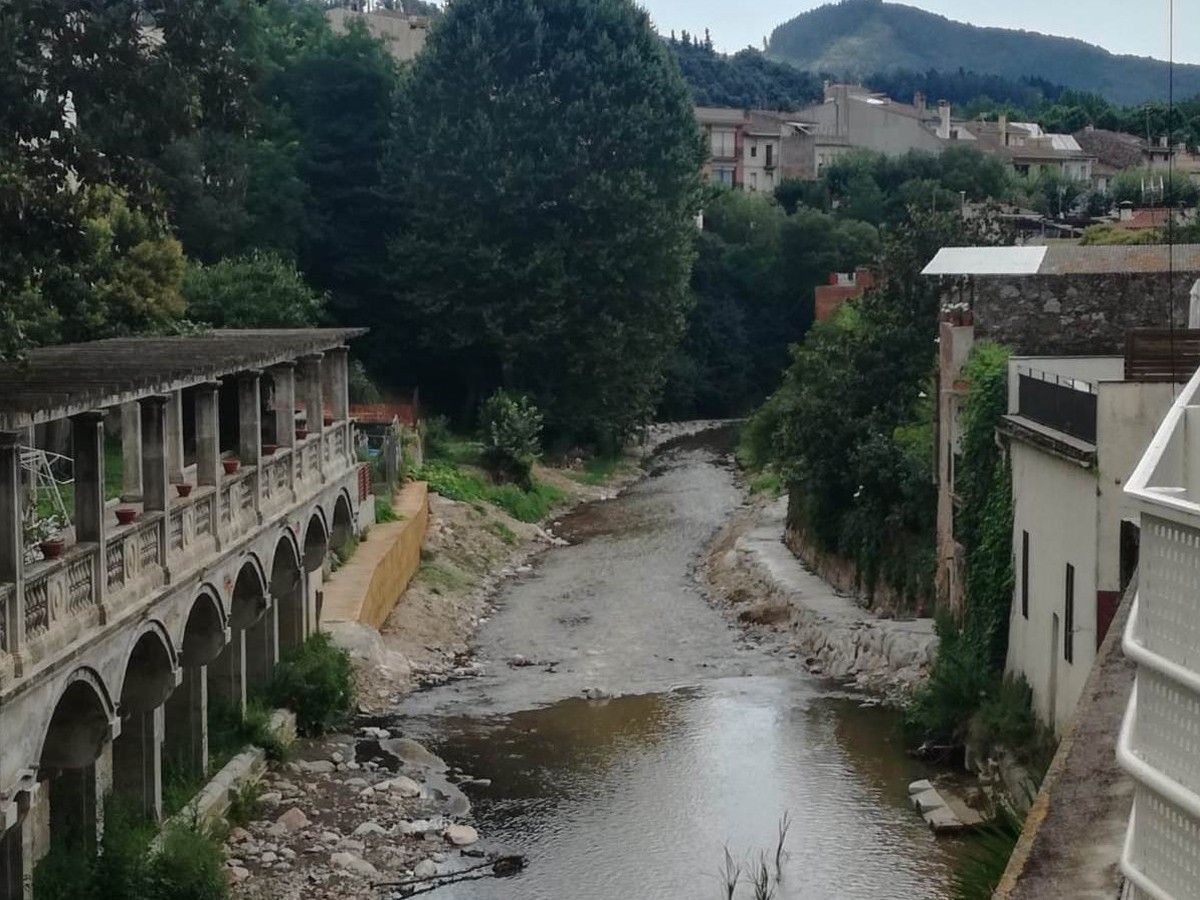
{"points": [[185, 726], [175, 437], [284, 376], [313, 392], [12, 546], [131, 453], [154, 467], [250, 429], [137, 761], [262, 647], [87, 440], [227, 673], [338, 362], [208, 434]]}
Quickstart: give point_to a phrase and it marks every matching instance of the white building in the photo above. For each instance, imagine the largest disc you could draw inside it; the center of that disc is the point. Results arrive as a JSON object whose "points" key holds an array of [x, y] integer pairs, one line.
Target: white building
{"points": [[1075, 430]]}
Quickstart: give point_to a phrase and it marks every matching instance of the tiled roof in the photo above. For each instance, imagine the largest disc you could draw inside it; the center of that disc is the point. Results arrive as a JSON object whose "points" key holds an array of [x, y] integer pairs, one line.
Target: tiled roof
{"points": [[1065, 259]]}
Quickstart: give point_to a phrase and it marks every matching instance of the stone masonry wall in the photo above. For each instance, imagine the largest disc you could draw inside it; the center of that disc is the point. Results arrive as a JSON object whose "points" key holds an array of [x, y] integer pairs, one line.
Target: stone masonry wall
{"points": [[1075, 314]]}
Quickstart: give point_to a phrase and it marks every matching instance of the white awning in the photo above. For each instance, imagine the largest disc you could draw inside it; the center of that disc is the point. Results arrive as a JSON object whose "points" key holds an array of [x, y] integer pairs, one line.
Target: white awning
{"points": [[986, 261]]}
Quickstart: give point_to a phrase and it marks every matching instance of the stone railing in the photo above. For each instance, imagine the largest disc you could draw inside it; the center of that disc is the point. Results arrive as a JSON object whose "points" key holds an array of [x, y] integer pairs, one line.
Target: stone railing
{"points": [[1159, 744], [60, 591], [132, 553], [8, 593], [276, 480]]}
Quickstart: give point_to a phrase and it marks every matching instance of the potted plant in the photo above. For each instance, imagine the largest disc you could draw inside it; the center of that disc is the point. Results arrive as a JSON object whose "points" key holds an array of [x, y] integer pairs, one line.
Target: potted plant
{"points": [[230, 464], [126, 515], [46, 531], [183, 489], [328, 421], [301, 433], [269, 449]]}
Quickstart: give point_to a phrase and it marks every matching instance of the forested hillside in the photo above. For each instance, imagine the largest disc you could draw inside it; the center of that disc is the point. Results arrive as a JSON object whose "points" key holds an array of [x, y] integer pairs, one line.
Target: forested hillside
{"points": [[858, 37], [747, 79]]}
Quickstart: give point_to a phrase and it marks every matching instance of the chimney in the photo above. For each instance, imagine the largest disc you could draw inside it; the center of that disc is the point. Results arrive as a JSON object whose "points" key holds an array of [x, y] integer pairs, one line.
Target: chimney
{"points": [[944, 115], [919, 102], [1162, 141], [1003, 129], [1089, 128]]}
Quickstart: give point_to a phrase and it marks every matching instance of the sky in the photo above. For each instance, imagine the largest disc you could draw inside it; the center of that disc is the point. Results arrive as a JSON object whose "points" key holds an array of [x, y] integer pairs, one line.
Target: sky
{"points": [[1122, 26]]}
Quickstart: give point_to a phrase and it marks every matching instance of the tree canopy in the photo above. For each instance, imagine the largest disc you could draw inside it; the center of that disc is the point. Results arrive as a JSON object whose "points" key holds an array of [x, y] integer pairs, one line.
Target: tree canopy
{"points": [[545, 167]]}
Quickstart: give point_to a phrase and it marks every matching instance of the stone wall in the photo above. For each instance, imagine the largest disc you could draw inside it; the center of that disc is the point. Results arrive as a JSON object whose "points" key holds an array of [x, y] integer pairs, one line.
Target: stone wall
{"points": [[1073, 314]]}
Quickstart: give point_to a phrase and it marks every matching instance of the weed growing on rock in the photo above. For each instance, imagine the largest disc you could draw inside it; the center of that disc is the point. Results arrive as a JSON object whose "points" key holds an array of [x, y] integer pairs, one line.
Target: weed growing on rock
{"points": [[315, 681]]}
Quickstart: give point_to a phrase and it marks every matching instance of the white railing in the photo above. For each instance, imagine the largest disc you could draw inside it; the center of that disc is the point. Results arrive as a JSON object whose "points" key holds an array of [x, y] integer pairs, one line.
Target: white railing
{"points": [[1159, 744]]}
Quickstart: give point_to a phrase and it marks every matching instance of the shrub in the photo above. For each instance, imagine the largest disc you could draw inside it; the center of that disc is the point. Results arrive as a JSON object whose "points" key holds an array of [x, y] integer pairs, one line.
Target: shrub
{"points": [[384, 511], [940, 709], [230, 731], [527, 505], [315, 681], [511, 427], [438, 439]]}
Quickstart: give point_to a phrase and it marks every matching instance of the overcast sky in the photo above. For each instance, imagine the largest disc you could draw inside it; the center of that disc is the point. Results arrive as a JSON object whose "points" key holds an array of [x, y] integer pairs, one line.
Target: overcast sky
{"points": [[1122, 26]]}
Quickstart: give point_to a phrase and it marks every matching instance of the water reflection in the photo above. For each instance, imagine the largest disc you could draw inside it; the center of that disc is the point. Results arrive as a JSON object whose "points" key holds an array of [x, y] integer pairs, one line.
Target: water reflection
{"points": [[636, 797]]}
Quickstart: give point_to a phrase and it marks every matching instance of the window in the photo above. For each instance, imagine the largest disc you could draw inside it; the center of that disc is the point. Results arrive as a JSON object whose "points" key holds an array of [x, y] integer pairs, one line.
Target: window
{"points": [[770, 149], [1069, 617], [754, 181], [754, 151], [724, 143], [724, 176], [1025, 574]]}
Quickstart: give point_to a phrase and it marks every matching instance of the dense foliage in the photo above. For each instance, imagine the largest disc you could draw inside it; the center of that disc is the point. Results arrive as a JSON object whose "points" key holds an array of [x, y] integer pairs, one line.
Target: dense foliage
{"points": [[511, 428], [850, 430], [745, 80], [260, 290], [964, 88], [547, 159], [853, 37], [316, 682]]}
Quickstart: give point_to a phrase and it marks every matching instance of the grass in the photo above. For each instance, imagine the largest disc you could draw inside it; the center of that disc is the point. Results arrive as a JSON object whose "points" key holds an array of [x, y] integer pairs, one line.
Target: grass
{"points": [[601, 470], [316, 682], [443, 578], [766, 482], [384, 511], [230, 732], [460, 484], [244, 804], [114, 477], [986, 857], [505, 533]]}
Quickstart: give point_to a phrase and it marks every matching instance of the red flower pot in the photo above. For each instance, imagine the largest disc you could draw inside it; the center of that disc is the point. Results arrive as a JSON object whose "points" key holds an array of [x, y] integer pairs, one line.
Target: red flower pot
{"points": [[301, 433], [52, 548], [231, 465], [126, 516], [268, 449], [183, 489], [328, 421]]}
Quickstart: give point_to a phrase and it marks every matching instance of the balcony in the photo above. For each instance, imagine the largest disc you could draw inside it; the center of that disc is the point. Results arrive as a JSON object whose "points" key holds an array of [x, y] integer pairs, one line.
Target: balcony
{"points": [[1159, 744], [1064, 404]]}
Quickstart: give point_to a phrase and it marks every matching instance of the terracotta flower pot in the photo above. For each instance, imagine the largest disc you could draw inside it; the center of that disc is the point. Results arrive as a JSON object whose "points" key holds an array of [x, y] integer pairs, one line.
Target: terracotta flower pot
{"points": [[126, 516], [52, 548], [268, 449], [328, 421], [231, 465], [183, 489], [301, 433]]}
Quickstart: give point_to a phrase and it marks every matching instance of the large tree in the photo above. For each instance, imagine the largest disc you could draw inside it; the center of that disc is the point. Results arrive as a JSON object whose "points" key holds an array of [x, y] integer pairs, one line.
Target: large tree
{"points": [[545, 166]]}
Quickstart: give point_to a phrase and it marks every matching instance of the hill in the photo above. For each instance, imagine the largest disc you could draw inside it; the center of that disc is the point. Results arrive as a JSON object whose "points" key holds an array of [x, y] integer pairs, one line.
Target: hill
{"points": [[747, 79], [852, 38]]}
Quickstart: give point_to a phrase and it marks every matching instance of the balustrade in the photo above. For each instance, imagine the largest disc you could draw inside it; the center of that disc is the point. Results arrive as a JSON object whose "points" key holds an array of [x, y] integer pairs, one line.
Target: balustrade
{"points": [[60, 591]]}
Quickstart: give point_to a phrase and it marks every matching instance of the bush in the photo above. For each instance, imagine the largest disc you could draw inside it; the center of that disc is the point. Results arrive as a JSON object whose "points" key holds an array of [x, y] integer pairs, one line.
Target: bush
{"points": [[530, 505], [941, 709], [384, 511], [511, 428], [230, 731], [315, 681], [187, 864]]}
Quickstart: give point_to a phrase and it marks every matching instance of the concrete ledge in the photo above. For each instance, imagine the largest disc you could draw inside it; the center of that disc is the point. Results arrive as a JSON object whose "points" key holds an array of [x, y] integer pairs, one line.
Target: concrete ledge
{"points": [[210, 805], [365, 590]]}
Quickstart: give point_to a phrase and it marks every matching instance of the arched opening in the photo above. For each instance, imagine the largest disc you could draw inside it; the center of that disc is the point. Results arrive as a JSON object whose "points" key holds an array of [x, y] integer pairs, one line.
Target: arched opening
{"points": [[137, 752], [75, 738], [12, 863], [287, 590], [230, 673], [343, 524], [316, 544], [185, 738]]}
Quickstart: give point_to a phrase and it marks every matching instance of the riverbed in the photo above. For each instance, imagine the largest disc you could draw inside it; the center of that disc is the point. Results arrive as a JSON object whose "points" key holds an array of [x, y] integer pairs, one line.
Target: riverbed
{"points": [[627, 736]]}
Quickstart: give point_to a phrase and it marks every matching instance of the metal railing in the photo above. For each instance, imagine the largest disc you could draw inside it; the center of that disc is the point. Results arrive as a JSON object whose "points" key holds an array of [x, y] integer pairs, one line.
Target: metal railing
{"points": [[1159, 743], [1064, 404]]}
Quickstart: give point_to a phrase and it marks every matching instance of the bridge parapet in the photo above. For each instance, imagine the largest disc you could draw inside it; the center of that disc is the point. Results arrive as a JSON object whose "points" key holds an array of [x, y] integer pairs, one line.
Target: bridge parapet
{"points": [[1159, 742]]}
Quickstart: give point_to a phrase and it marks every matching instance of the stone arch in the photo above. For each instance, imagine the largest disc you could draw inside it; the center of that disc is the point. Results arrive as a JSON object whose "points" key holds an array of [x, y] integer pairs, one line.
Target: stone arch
{"points": [[287, 591], [81, 723], [206, 631], [150, 678], [249, 597], [316, 541], [343, 523]]}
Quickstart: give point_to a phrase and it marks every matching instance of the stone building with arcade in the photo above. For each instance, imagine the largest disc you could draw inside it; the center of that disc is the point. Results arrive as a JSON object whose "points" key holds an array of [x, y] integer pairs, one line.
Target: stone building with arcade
{"points": [[238, 475]]}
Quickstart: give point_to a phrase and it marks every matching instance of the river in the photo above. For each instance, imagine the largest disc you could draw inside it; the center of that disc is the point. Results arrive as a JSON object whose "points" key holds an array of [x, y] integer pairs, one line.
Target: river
{"points": [[694, 739]]}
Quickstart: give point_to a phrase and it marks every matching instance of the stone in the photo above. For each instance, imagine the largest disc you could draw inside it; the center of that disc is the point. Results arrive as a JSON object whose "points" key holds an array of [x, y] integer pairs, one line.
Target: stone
{"points": [[426, 868], [270, 797], [942, 821], [352, 863], [927, 800], [336, 757], [317, 766], [367, 792], [404, 786], [269, 857], [293, 820], [330, 837], [238, 834], [921, 786], [412, 753], [238, 874], [461, 835], [352, 844], [369, 828]]}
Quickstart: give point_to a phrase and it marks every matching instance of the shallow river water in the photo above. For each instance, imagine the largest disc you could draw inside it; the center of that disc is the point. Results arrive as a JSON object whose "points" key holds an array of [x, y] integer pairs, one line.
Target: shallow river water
{"points": [[708, 741]]}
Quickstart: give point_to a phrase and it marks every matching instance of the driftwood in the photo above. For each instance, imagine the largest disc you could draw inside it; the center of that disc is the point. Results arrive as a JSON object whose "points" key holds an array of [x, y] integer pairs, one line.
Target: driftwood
{"points": [[500, 867]]}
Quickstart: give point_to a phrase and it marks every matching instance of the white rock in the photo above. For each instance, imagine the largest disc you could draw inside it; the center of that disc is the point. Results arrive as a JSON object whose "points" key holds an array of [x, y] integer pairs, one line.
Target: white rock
{"points": [[270, 797], [237, 873], [337, 757], [369, 828], [269, 857], [461, 835], [293, 820], [352, 844], [404, 786], [238, 835], [426, 868], [316, 766], [355, 864]]}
